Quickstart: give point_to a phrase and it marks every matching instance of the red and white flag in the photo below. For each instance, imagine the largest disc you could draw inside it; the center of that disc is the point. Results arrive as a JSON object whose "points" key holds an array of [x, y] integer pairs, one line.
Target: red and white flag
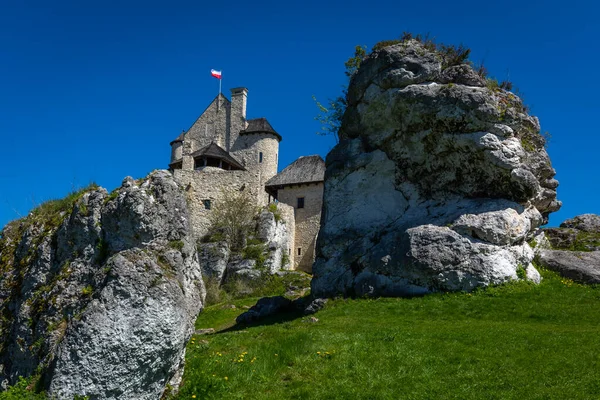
{"points": [[215, 73]]}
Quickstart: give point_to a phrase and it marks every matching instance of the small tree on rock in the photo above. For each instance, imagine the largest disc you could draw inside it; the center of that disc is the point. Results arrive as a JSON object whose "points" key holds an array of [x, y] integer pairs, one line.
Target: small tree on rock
{"points": [[234, 217]]}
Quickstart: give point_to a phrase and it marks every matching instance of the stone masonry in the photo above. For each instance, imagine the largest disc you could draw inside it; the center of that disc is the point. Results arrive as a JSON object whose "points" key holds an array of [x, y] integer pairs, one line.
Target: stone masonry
{"points": [[223, 152]]}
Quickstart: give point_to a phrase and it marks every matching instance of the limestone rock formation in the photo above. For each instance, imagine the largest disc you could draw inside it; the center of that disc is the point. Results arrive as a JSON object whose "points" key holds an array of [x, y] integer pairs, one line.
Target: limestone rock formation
{"points": [[573, 249], [580, 266], [220, 263], [103, 294], [436, 184], [580, 233]]}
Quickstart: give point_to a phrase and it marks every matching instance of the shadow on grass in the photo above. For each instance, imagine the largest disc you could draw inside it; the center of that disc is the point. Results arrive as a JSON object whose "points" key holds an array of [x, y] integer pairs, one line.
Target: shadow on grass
{"points": [[291, 312]]}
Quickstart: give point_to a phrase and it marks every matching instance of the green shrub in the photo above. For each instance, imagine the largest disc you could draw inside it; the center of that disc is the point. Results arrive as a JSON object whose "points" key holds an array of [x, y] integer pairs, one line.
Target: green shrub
{"points": [[255, 251], [285, 260], [52, 212], [214, 292], [272, 208], [234, 217], [113, 195], [521, 272], [176, 244], [23, 390]]}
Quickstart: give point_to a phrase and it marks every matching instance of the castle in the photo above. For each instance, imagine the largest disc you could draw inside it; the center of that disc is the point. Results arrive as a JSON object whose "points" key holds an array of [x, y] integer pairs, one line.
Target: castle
{"points": [[224, 152]]}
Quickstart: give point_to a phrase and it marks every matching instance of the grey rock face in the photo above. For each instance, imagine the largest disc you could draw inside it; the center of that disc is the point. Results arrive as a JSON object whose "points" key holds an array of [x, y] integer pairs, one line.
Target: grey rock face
{"points": [[580, 266], [314, 306], [276, 236], [436, 184], [581, 233], [584, 222], [213, 259], [219, 263], [116, 288]]}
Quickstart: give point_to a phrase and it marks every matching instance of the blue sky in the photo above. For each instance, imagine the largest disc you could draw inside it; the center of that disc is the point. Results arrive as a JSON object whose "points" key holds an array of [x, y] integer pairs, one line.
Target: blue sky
{"points": [[96, 90]]}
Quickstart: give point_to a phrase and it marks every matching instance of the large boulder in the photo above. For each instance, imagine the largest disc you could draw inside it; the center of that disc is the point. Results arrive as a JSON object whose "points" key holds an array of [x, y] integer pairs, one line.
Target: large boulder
{"points": [[580, 266], [436, 184], [581, 233], [104, 293]]}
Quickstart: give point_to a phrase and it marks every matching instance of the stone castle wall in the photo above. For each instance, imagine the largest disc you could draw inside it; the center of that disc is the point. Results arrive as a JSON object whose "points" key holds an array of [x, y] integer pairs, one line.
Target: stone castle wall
{"points": [[213, 184], [247, 149], [307, 220], [211, 126]]}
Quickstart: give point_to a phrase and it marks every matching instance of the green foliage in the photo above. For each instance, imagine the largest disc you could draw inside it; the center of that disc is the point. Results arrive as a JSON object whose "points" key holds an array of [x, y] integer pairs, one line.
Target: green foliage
{"points": [[521, 272], [113, 195], [267, 285], [285, 260], [213, 237], [585, 241], [515, 341], [176, 244], [87, 291], [450, 55], [272, 208], [353, 63], [330, 117], [256, 250], [23, 390], [52, 212], [527, 143], [234, 217]]}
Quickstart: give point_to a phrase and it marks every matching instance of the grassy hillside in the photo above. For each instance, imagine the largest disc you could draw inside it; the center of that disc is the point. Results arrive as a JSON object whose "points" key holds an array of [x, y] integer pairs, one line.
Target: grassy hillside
{"points": [[517, 341]]}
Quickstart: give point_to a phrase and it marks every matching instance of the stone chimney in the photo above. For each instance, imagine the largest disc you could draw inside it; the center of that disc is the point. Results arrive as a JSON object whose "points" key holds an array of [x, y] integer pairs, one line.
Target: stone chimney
{"points": [[237, 123]]}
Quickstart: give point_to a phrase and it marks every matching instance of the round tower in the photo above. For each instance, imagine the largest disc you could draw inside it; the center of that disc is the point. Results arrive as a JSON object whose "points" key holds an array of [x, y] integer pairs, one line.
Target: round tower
{"points": [[260, 149], [177, 152]]}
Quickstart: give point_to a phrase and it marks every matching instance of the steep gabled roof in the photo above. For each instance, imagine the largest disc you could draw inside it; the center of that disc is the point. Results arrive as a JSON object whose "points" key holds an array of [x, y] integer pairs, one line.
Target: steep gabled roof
{"points": [[306, 169], [216, 151], [226, 102], [260, 125]]}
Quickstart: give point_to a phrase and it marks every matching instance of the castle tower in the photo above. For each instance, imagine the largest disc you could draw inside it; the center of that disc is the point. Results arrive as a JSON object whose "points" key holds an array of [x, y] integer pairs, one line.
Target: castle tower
{"points": [[237, 121], [177, 152], [258, 147]]}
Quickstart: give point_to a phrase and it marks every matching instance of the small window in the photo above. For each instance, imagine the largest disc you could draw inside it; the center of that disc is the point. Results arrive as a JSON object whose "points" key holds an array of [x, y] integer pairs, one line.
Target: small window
{"points": [[206, 204], [290, 252], [299, 251], [300, 202], [260, 157]]}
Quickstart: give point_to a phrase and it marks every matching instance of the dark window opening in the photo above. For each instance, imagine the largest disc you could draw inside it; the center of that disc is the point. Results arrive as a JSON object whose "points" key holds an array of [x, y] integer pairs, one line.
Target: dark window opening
{"points": [[299, 251], [213, 162], [260, 157], [207, 204], [300, 202], [201, 162]]}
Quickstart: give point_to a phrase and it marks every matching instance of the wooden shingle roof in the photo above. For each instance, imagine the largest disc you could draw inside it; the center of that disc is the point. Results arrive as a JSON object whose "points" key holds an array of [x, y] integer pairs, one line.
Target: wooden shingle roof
{"points": [[216, 151], [306, 169], [260, 125]]}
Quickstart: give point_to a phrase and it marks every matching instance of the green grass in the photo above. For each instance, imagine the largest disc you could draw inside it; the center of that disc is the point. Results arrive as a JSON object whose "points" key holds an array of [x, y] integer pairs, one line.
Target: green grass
{"points": [[517, 341]]}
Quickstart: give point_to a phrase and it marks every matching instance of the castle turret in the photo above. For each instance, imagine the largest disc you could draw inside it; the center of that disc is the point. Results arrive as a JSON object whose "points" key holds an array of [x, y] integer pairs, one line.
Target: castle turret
{"points": [[258, 147], [237, 123], [177, 152]]}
